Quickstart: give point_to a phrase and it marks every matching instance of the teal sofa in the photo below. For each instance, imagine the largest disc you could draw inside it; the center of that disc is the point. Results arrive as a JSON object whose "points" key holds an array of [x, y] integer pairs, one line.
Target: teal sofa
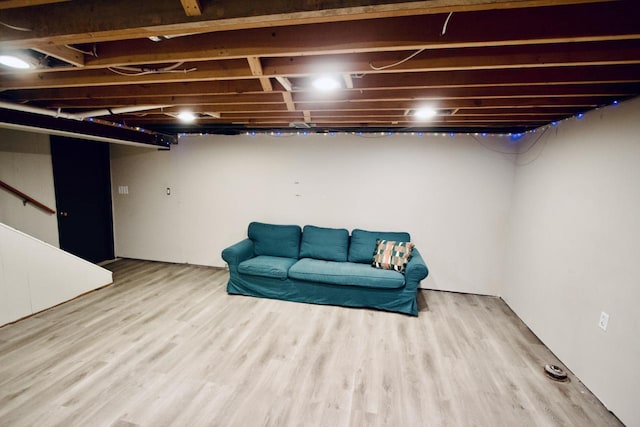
{"points": [[322, 266]]}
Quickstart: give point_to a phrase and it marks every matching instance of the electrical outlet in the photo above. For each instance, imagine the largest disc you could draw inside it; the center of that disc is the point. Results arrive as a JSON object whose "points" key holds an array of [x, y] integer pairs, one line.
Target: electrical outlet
{"points": [[604, 321]]}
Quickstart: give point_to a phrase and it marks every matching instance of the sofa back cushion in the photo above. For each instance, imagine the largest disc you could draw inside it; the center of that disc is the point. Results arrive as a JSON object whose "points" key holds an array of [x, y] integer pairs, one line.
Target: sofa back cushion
{"points": [[329, 244], [363, 243], [275, 240]]}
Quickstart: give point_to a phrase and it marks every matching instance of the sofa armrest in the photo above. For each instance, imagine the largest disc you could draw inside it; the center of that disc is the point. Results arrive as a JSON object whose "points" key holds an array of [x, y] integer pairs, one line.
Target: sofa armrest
{"points": [[416, 270], [235, 254]]}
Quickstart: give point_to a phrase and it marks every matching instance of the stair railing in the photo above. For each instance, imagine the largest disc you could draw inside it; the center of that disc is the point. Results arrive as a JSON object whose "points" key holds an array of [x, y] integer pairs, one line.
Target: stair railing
{"points": [[26, 198]]}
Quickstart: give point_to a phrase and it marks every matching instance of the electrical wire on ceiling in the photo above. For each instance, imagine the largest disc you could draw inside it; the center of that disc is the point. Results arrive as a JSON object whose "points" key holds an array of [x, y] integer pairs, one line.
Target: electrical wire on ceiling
{"points": [[414, 54], [139, 71], [13, 27], [395, 64], [446, 22]]}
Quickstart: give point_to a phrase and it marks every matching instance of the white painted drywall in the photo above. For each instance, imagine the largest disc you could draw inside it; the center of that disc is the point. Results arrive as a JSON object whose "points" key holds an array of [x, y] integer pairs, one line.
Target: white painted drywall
{"points": [[25, 164], [35, 275], [574, 250], [451, 193]]}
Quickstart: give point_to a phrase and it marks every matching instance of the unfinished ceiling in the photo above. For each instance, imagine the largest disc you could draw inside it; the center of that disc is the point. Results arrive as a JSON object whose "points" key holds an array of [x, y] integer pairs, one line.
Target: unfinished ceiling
{"points": [[483, 65]]}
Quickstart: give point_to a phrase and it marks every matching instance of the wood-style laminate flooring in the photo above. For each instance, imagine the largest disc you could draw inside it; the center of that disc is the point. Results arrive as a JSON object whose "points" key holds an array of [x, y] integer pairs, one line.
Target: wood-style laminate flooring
{"points": [[165, 345]]}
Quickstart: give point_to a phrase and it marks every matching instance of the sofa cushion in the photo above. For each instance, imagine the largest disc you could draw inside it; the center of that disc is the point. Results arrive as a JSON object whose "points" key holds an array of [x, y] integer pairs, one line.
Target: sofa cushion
{"points": [[391, 255], [267, 266], [345, 273], [329, 244], [275, 240], [363, 243]]}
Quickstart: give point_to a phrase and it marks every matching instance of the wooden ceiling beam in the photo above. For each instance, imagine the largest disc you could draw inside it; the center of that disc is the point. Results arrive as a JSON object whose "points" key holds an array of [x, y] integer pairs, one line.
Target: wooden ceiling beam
{"points": [[315, 108], [288, 100], [598, 22], [267, 98], [494, 57], [124, 19], [485, 58], [238, 69], [255, 108], [203, 71], [256, 70], [191, 7], [356, 121], [217, 87], [236, 92], [64, 53], [14, 4], [354, 116], [222, 101], [585, 102], [500, 64], [516, 77], [426, 94]]}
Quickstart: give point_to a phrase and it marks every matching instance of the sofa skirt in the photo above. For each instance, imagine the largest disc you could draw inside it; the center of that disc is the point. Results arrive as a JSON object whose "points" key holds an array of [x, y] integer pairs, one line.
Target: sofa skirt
{"points": [[394, 300]]}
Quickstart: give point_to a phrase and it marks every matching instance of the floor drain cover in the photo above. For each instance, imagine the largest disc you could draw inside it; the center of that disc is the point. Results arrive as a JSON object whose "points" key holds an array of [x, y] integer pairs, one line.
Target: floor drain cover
{"points": [[555, 372]]}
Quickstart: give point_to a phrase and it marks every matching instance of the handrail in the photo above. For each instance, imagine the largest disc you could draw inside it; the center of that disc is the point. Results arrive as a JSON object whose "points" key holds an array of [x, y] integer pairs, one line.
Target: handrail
{"points": [[25, 198]]}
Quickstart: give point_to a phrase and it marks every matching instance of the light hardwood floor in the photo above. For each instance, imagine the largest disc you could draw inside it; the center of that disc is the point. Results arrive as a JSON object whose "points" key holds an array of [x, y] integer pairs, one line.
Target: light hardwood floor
{"points": [[165, 345]]}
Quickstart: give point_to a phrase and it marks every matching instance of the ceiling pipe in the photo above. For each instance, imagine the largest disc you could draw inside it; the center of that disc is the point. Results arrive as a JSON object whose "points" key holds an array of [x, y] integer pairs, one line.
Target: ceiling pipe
{"points": [[76, 116], [118, 110], [37, 110], [25, 117]]}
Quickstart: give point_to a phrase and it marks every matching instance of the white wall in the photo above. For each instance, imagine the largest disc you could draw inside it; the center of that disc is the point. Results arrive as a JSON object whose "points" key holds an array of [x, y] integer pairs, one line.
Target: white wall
{"points": [[451, 193], [575, 250], [25, 164], [35, 275]]}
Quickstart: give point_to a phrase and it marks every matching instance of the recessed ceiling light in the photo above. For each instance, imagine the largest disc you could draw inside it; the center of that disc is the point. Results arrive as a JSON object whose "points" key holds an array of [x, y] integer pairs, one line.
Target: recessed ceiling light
{"points": [[425, 113], [326, 83], [14, 62], [187, 117]]}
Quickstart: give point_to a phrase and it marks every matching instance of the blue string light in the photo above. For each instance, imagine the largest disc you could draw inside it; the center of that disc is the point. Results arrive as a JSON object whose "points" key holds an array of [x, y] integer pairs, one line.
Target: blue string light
{"points": [[511, 136]]}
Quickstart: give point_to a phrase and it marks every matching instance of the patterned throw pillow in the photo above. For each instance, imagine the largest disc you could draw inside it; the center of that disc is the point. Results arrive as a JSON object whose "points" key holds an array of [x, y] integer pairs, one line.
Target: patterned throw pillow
{"points": [[391, 255]]}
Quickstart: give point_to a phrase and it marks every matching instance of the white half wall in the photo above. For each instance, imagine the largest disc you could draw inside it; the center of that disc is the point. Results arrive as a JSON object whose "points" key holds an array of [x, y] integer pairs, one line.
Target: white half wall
{"points": [[451, 193], [35, 275], [25, 164], [574, 250]]}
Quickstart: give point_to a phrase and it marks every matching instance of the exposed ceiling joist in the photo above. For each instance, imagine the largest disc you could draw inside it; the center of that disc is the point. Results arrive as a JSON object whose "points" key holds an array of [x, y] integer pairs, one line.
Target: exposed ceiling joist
{"points": [[500, 65], [550, 92], [288, 100], [13, 4], [256, 70], [479, 29], [125, 19], [286, 84], [63, 53], [191, 7]]}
